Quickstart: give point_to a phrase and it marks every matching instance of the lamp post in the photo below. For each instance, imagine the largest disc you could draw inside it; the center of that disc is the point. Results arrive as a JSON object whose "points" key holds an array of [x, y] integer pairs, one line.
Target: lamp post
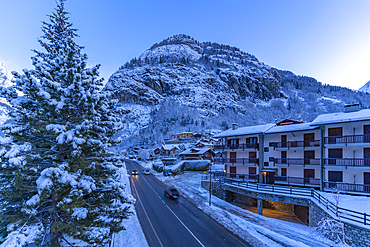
{"points": [[210, 184]]}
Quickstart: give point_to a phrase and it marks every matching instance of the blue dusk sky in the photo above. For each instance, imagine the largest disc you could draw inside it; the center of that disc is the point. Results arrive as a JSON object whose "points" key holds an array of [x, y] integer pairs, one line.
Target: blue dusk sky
{"points": [[325, 39]]}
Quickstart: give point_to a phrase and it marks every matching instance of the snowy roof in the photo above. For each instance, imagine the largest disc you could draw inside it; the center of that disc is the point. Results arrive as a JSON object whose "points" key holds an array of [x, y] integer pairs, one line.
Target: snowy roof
{"points": [[290, 128], [341, 117], [257, 129], [170, 146], [195, 151]]}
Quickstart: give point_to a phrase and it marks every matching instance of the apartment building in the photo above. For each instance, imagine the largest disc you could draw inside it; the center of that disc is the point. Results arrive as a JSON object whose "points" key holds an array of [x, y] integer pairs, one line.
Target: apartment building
{"points": [[333, 151]]}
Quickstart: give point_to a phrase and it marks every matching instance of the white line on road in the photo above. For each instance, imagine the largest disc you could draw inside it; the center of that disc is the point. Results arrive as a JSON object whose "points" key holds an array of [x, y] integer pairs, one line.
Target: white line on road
{"points": [[172, 213], [151, 225]]}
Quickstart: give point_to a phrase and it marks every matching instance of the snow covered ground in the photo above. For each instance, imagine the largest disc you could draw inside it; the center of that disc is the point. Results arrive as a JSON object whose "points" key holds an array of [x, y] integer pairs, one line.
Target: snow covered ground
{"points": [[255, 229]]}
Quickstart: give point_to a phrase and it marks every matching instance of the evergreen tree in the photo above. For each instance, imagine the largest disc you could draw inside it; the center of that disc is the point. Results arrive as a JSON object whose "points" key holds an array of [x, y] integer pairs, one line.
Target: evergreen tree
{"points": [[61, 180]]}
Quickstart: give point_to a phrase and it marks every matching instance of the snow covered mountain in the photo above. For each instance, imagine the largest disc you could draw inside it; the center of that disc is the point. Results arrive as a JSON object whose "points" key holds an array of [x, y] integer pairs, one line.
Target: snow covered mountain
{"points": [[365, 88], [183, 84]]}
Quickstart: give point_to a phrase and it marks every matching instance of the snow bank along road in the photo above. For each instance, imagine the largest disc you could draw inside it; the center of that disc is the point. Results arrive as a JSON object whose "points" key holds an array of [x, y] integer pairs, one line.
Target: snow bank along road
{"points": [[167, 222]]}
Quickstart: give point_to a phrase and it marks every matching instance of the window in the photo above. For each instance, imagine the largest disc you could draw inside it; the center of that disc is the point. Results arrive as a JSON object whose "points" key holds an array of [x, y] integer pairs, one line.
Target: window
{"points": [[271, 159], [283, 172], [266, 149], [272, 144], [265, 163]]}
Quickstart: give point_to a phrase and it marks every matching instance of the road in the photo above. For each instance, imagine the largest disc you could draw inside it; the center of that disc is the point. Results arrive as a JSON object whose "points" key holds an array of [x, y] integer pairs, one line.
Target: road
{"points": [[167, 222]]}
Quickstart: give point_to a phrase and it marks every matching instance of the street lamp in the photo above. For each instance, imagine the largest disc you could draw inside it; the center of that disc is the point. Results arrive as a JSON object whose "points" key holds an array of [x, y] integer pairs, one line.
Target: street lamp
{"points": [[210, 184]]}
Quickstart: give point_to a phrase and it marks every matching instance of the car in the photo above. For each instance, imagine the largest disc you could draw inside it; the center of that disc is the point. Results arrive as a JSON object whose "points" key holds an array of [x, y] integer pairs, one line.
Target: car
{"points": [[146, 172], [135, 172], [171, 193]]}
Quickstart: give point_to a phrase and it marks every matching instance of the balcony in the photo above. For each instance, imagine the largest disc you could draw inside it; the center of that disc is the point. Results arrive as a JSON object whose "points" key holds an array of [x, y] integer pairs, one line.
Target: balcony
{"points": [[364, 188], [232, 147], [297, 181], [236, 161], [347, 162], [297, 144], [296, 162], [345, 140]]}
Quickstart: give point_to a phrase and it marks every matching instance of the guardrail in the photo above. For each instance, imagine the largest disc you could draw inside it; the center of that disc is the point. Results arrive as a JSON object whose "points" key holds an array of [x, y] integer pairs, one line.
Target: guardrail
{"points": [[241, 146], [351, 215], [347, 161]]}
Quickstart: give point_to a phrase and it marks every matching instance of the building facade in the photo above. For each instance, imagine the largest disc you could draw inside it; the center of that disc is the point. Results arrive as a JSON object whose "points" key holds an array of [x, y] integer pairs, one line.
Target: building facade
{"points": [[331, 152]]}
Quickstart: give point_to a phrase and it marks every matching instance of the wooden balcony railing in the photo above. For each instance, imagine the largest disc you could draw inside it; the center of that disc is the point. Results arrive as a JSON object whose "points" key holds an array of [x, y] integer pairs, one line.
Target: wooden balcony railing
{"points": [[242, 146], [347, 161], [297, 144], [347, 139], [296, 161], [241, 161]]}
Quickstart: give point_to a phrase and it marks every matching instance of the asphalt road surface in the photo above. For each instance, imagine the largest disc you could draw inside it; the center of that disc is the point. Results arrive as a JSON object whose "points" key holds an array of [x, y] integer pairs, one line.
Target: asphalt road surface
{"points": [[172, 223]]}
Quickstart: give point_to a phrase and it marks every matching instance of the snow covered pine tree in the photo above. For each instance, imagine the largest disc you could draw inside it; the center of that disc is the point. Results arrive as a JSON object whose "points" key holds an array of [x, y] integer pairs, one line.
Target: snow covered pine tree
{"points": [[59, 179]]}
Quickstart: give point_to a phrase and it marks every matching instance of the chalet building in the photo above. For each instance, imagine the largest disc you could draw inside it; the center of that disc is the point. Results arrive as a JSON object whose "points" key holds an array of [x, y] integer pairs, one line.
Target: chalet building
{"points": [[332, 151], [186, 135], [197, 154], [167, 149]]}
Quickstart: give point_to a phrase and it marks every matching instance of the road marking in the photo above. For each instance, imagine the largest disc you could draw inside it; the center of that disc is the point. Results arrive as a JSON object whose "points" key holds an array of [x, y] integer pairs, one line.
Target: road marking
{"points": [[151, 225], [171, 212]]}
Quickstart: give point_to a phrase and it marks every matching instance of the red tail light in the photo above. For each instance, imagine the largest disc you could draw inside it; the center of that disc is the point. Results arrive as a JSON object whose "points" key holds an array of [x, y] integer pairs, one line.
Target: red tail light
{"points": [[179, 194], [170, 194]]}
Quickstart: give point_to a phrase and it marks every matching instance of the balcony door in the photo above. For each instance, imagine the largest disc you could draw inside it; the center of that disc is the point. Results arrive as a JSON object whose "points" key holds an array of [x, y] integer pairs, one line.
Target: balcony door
{"points": [[232, 171], [283, 157], [284, 143], [308, 173], [367, 181], [308, 155], [252, 157], [334, 154], [367, 156], [334, 132], [232, 157], [366, 133], [233, 143], [308, 138], [335, 176]]}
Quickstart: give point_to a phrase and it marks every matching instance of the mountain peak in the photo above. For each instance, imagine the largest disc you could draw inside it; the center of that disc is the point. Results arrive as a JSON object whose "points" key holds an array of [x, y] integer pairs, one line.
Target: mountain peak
{"points": [[365, 88], [179, 39]]}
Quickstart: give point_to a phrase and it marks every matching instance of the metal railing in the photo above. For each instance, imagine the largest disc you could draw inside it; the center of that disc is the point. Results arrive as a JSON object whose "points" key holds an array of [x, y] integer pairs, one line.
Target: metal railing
{"points": [[347, 161], [341, 213], [297, 180], [364, 188], [297, 144], [296, 161], [242, 161], [242, 146], [347, 139]]}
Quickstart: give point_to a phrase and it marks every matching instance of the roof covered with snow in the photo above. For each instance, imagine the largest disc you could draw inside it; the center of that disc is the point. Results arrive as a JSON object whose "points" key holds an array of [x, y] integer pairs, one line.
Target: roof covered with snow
{"points": [[170, 146], [342, 117], [250, 130], [291, 127], [195, 151]]}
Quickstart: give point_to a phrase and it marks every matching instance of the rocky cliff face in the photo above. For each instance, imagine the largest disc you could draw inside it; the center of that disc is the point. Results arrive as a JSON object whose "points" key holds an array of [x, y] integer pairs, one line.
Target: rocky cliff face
{"points": [[182, 84]]}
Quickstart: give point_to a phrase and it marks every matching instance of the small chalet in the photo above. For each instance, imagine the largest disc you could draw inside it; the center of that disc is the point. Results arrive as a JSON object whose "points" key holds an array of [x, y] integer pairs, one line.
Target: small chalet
{"points": [[167, 149], [204, 144], [197, 154]]}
